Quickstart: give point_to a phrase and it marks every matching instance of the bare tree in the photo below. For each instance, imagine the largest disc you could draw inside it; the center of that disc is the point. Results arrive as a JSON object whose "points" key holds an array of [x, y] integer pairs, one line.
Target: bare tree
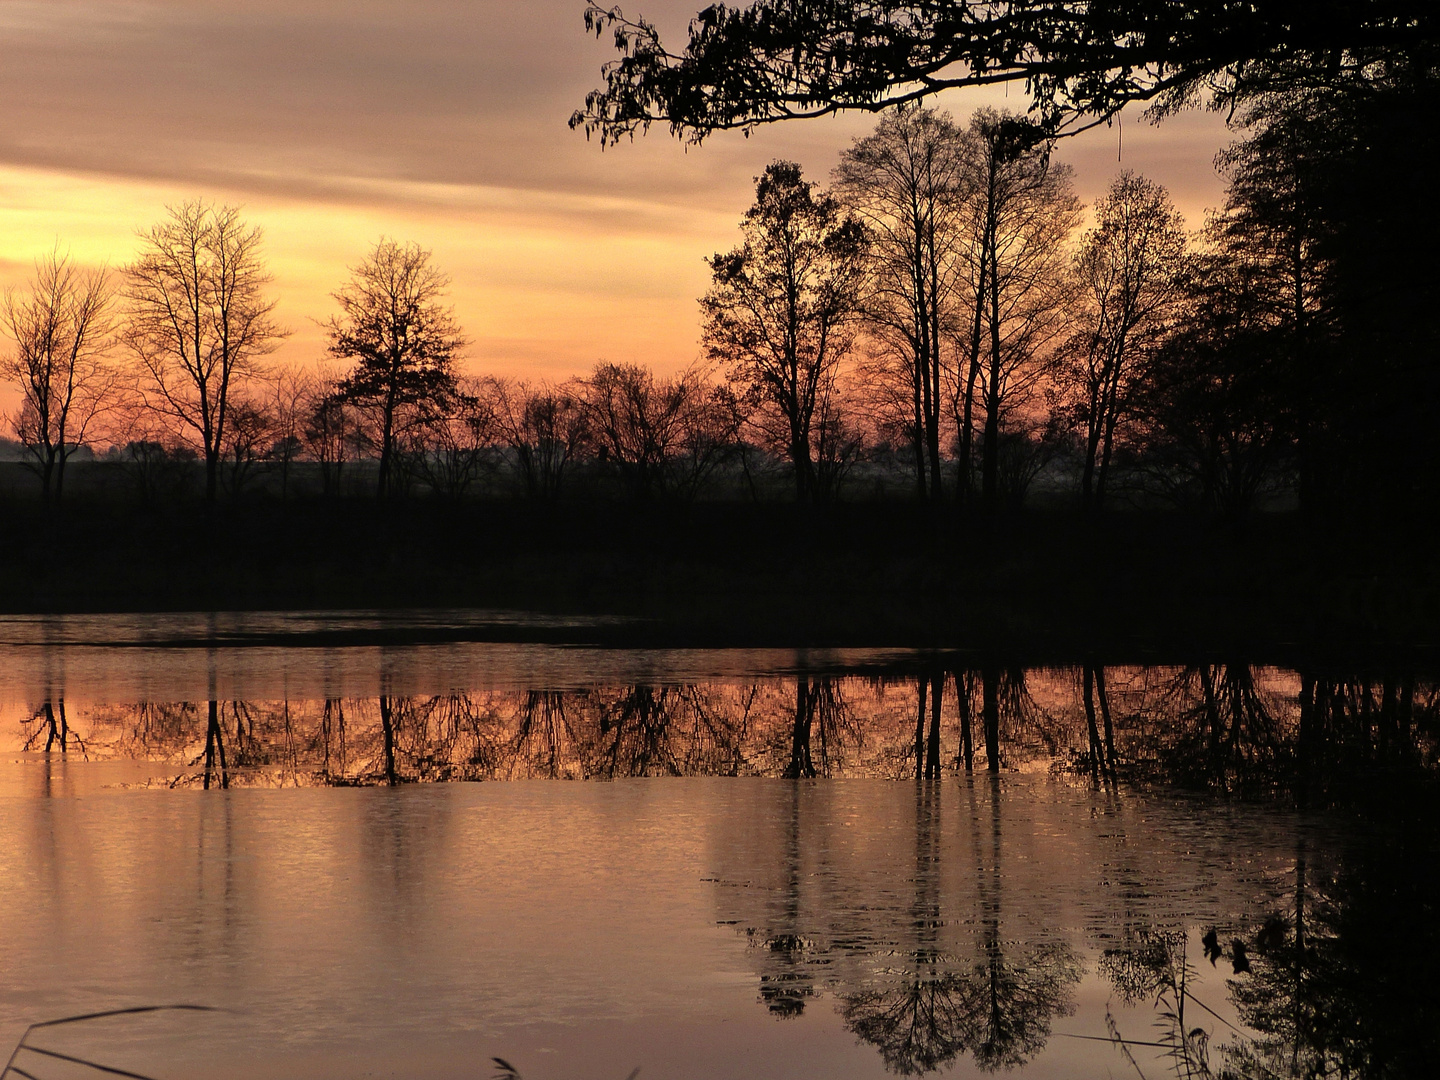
{"points": [[665, 436], [544, 428], [908, 181], [783, 308], [197, 319], [290, 394], [1129, 275], [249, 435], [457, 439], [329, 432], [1024, 210], [61, 327], [402, 339], [633, 420]]}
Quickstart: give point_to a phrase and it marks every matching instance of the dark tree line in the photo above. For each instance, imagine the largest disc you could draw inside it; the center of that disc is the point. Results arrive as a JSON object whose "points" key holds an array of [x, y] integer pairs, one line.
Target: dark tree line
{"points": [[1294, 348], [935, 318]]}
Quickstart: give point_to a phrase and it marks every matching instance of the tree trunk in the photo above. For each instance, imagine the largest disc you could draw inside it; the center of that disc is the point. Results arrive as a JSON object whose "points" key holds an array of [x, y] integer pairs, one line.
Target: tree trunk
{"points": [[47, 470], [60, 459], [801, 764], [1092, 450], [1106, 447], [990, 468], [1095, 750], [962, 705], [932, 757], [387, 727], [921, 684], [990, 695], [387, 447], [967, 425], [212, 475]]}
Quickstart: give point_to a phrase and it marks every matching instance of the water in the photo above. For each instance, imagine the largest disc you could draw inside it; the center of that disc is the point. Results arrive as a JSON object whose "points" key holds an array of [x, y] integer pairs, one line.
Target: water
{"points": [[752, 883]]}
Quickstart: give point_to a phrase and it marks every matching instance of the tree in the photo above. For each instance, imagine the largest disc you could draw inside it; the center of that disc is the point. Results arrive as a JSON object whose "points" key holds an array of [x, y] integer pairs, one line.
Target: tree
{"points": [[197, 320], [776, 59], [402, 339], [290, 394], [665, 436], [61, 327], [1022, 213], [1274, 223], [908, 182], [249, 434], [1129, 280], [455, 440], [330, 432], [782, 309], [544, 428], [1209, 407], [1331, 211]]}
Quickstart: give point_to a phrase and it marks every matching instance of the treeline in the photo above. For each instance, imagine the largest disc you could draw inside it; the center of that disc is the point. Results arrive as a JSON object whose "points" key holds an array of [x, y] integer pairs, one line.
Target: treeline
{"points": [[1317, 737], [936, 322]]}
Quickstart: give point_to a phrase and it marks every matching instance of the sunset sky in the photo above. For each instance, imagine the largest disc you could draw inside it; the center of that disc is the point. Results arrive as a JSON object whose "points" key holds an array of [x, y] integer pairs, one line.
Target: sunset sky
{"points": [[438, 121]]}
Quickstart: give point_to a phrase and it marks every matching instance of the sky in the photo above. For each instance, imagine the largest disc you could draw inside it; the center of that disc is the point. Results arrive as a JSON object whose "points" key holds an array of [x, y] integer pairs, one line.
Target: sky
{"points": [[443, 122]]}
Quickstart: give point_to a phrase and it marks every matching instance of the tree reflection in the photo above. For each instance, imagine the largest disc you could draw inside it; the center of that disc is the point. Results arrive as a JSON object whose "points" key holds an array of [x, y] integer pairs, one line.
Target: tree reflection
{"points": [[53, 723], [1342, 981], [939, 946], [822, 715], [786, 983], [215, 749], [937, 1006], [1226, 727]]}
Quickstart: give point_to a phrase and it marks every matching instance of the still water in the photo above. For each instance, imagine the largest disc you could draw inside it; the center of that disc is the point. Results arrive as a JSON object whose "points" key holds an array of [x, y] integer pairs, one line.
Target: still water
{"points": [[773, 864]]}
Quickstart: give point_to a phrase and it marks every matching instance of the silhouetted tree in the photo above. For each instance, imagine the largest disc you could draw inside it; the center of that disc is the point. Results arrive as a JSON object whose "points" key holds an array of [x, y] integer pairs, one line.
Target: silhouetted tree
{"points": [[774, 60], [249, 437], [1210, 412], [908, 182], [544, 428], [1129, 275], [1329, 210], [402, 340], [1273, 226], [197, 319], [1026, 209], [1379, 385], [290, 392], [664, 436], [455, 439], [61, 328], [782, 310], [157, 470], [329, 433]]}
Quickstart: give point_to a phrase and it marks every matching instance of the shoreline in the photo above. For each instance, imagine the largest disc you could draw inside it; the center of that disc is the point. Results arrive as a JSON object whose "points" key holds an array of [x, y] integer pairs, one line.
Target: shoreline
{"points": [[1040, 584]]}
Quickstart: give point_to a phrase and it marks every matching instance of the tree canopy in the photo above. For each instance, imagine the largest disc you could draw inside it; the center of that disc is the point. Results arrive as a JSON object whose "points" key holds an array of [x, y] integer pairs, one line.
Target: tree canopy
{"points": [[780, 59]]}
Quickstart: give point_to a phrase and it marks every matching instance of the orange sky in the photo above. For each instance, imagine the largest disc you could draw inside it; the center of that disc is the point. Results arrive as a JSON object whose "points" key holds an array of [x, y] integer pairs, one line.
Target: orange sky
{"points": [[439, 121]]}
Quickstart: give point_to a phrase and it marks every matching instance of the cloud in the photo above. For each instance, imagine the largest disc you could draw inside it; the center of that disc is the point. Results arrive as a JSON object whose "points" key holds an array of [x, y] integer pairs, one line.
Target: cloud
{"points": [[444, 121]]}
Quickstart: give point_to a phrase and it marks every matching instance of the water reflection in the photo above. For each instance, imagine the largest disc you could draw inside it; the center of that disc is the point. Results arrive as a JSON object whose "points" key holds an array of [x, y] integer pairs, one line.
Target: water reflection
{"points": [[941, 1000], [1041, 886], [968, 944], [1228, 728]]}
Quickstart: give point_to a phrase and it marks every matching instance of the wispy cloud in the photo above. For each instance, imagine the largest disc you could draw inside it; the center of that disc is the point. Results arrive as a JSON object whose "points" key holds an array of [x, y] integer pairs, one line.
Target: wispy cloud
{"points": [[437, 120]]}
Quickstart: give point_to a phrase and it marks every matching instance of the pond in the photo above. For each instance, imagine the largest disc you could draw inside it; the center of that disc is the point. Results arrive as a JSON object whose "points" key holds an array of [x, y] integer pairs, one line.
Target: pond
{"points": [[767, 863]]}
